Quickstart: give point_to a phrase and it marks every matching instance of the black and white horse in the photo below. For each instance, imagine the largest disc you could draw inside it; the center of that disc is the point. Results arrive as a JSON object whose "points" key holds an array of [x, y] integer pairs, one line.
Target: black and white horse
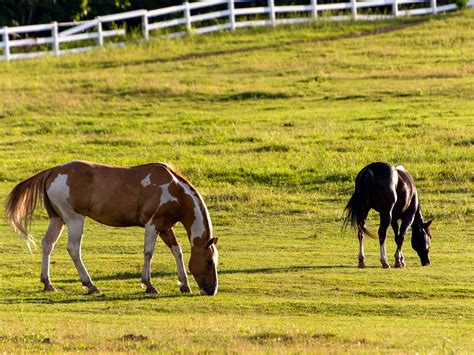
{"points": [[390, 191]]}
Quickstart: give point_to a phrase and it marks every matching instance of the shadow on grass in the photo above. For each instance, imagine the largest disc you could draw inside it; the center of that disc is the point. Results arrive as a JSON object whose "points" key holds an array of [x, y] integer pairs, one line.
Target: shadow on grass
{"points": [[85, 298], [158, 274], [277, 270], [41, 298]]}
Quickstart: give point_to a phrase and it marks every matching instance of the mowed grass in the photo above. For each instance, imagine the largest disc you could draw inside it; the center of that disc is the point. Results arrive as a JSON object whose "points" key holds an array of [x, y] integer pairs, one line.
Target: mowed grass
{"points": [[271, 128]]}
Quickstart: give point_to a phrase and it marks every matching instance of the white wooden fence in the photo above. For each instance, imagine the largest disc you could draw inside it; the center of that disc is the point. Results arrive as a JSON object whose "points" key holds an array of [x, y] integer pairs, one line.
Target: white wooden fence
{"points": [[196, 17]]}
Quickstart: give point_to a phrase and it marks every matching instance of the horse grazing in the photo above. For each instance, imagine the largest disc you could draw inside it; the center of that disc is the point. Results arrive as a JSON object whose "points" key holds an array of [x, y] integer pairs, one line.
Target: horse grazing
{"points": [[152, 196], [390, 191]]}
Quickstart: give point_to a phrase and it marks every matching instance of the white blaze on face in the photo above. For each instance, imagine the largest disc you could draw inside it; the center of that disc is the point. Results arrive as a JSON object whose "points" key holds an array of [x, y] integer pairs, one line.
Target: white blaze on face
{"points": [[146, 181], [166, 195], [197, 228]]}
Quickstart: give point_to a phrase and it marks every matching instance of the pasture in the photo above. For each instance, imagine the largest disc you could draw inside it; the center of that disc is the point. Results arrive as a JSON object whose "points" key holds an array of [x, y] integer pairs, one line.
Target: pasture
{"points": [[271, 126]]}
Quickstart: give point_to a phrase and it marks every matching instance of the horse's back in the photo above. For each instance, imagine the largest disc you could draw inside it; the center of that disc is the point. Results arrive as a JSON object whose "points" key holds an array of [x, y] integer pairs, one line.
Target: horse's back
{"points": [[116, 196], [393, 187]]}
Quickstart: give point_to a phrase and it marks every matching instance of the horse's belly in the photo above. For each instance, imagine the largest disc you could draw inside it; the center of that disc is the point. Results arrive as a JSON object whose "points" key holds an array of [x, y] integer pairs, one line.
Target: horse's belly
{"points": [[115, 220]]}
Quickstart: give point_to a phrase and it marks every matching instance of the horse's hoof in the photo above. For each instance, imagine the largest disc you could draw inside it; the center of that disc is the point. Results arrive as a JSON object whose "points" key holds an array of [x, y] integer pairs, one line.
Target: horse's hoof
{"points": [[49, 288], [398, 265], [386, 266], [151, 289], [361, 265], [94, 291], [185, 288]]}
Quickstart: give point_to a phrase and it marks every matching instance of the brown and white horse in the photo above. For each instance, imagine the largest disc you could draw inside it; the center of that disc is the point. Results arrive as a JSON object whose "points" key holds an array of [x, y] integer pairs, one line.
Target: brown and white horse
{"points": [[152, 196]]}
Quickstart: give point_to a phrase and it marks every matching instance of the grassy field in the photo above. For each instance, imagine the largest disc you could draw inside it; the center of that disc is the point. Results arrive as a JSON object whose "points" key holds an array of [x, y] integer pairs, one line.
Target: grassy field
{"points": [[271, 126]]}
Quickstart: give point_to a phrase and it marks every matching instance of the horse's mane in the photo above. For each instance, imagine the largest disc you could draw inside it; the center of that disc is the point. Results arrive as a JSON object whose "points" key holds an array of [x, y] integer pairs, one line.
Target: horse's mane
{"points": [[179, 175]]}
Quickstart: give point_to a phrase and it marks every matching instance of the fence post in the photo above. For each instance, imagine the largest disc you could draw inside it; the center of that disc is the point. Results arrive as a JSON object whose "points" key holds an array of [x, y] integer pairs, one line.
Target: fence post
{"points": [[354, 9], [314, 9], [395, 8], [100, 38], [6, 45], [55, 34], [434, 7], [231, 7], [187, 16], [145, 29], [271, 6]]}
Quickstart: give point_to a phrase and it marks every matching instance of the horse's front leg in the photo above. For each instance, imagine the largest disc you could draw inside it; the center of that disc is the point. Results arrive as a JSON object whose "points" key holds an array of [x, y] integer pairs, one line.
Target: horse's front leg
{"points": [[399, 238], [169, 238], [53, 233], [398, 253], [151, 234]]}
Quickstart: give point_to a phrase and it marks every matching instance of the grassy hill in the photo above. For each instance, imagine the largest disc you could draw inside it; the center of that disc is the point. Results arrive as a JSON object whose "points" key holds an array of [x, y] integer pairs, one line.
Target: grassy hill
{"points": [[271, 126]]}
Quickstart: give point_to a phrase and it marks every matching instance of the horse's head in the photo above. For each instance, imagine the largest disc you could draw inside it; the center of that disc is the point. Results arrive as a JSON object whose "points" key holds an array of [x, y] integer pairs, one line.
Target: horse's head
{"points": [[421, 239], [203, 266]]}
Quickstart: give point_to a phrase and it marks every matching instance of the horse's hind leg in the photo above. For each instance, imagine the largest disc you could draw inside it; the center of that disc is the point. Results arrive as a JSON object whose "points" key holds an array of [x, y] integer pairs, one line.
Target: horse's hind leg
{"points": [[385, 221], [75, 229], [150, 240], [360, 235], [53, 233], [169, 238]]}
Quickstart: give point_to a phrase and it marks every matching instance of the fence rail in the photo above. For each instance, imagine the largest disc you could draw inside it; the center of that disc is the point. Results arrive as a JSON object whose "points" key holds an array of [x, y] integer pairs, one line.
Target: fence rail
{"points": [[197, 17]]}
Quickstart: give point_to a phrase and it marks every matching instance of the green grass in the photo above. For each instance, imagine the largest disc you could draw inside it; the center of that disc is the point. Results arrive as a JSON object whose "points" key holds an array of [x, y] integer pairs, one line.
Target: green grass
{"points": [[272, 129]]}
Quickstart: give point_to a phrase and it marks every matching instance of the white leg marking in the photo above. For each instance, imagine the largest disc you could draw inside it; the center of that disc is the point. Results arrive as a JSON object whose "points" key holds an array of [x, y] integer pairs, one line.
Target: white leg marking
{"points": [[178, 255], [58, 194], [150, 239], [75, 229], [53, 233], [383, 254], [361, 249], [146, 181]]}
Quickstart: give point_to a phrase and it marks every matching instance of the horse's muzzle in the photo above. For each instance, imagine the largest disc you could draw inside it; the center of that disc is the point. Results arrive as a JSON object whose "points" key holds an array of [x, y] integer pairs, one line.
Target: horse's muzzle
{"points": [[208, 291]]}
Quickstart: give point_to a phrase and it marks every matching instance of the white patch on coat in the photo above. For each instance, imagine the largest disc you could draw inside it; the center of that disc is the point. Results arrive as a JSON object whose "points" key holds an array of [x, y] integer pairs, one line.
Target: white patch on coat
{"points": [[58, 194], [401, 168], [150, 228], [166, 195], [197, 228], [146, 181]]}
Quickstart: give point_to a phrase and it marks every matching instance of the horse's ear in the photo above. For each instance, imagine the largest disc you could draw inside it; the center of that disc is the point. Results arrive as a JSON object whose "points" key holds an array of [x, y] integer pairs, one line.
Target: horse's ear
{"points": [[211, 241], [428, 224]]}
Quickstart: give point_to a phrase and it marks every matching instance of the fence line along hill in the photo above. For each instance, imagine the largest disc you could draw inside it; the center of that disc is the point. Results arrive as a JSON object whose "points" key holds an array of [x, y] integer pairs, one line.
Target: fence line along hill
{"points": [[200, 17]]}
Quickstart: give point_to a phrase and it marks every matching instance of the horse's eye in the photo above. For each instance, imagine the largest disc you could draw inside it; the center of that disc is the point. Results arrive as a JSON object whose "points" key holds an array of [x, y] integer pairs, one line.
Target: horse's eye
{"points": [[209, 262]]}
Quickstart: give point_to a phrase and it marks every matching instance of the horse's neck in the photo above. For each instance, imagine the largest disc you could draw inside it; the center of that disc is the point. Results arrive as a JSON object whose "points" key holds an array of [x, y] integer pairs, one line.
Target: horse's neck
{"points": [[418, 221], [195, 219]]}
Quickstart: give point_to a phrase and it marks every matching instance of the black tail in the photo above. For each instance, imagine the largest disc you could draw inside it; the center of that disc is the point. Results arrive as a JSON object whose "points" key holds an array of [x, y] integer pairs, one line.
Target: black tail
{"points": [[358, 206]]}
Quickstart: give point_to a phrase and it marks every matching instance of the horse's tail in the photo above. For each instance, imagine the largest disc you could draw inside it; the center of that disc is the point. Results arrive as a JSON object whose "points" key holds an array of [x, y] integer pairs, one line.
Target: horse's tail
{"points": [[358, 206], [22, 202]]}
